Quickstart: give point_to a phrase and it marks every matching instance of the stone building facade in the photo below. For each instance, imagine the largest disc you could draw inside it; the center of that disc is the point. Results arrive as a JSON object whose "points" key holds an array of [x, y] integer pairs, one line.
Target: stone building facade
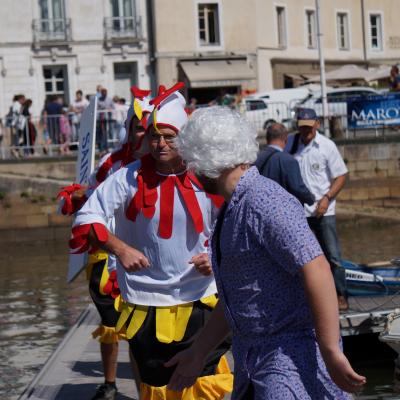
{"points": [[52, 47], [214, 46]]}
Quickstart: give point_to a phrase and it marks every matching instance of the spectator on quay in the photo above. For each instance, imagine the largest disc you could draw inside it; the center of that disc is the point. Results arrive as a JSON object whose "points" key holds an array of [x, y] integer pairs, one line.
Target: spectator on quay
{"points": [[276, 292], [281, 167], [192, 106], [29, 131], [119, 116], [14, 119], [77, 107], [324, 173], [65, 131], [44, 129], [52, 113], [98, 91], [1, 132], [105, 107], [394, 79]]}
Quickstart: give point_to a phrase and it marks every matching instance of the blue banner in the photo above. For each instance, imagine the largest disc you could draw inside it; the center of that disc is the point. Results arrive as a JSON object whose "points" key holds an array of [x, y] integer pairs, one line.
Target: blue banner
{"points": [[373, 111]]}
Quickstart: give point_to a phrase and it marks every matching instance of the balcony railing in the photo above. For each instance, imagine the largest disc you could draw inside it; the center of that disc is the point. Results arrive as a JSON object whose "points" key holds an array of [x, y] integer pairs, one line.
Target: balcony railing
{"points": [[51, 30], [119, 29]]}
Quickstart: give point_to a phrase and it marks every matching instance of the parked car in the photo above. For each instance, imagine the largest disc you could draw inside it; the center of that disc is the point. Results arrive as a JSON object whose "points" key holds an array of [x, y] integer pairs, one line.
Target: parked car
{"points": [[287, 96], [336, 99]]}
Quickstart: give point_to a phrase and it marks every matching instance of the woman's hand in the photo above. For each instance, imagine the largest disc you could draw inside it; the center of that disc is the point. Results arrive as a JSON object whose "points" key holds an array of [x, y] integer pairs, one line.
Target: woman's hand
{"points": [[342, 373], [189, 366]]}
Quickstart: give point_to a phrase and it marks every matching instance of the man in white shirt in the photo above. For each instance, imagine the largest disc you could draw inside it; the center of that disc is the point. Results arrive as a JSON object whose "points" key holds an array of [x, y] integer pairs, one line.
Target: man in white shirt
{"points": [[162, 224], [324, 173]]}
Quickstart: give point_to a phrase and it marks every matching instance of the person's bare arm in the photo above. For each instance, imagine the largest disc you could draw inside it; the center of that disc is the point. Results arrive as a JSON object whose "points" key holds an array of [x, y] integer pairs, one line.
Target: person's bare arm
{"points": [[320, 290], [131, 259], [190, 362], [336, 187]]}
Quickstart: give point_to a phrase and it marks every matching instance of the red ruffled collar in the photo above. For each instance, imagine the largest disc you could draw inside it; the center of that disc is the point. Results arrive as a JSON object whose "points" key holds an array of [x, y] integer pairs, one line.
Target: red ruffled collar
{"points": [[125, 155], [146, 197]]}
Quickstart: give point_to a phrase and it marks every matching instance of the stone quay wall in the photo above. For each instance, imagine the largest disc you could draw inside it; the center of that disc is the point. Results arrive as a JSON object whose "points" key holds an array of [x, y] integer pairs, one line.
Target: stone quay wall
{"points": [[374, 173], [374, 180]]}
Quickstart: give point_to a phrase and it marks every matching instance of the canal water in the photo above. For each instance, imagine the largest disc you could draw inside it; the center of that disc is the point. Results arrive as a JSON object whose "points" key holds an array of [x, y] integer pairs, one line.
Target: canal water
{"points": [[37, 306]]}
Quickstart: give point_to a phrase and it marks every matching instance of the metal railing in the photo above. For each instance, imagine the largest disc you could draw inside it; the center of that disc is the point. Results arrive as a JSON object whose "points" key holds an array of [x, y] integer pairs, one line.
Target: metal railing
{"points": [[260, 116], [51, 30], [127, 28], [52, 135], [44, 136]]}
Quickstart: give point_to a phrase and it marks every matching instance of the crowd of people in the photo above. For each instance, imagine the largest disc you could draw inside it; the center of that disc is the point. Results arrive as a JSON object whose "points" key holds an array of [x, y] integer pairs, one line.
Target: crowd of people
{"points": [[193, 252], [59, 123]]}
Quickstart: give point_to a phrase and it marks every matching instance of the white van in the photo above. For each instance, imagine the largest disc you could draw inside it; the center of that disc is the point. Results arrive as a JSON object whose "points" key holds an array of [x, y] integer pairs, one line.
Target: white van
{"points": [[287, 96], [261, 113], [263, 108]]}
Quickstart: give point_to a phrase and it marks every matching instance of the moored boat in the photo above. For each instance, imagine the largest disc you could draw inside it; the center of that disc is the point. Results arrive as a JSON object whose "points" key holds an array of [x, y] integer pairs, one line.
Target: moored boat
{"points": [[376, 279]]}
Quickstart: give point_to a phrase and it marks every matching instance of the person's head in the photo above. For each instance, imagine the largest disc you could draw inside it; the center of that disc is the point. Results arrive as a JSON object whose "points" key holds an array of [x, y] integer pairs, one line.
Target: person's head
{"points": [[136, 135], [308, 124], [79, 95], [277, 134], [103, 92], [135, 123], [98, 88], [161, 144], [215, 141], [164, 125], [394, 70], [21, 98], [115, 99], [27, 103]]}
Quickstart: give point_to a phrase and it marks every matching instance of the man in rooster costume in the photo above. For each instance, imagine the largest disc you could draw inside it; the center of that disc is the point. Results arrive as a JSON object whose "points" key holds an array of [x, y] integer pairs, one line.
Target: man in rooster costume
{"points": [[100, 269], [162, 224]]}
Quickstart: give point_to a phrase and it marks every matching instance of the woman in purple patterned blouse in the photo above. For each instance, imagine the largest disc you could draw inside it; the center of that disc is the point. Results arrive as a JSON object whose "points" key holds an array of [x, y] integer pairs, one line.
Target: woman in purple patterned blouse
{"points": [[277, 293]]}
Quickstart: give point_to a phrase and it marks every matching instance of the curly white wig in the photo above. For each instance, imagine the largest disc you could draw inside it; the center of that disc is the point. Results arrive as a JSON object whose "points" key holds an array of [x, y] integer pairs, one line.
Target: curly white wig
{"points": [[215, 139]]}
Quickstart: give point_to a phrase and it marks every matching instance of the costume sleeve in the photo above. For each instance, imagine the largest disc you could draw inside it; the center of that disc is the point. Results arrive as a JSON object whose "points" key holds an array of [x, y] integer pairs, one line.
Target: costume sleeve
{"points": [[286, 234], [336, 165], [294, 182], [92, 181]]}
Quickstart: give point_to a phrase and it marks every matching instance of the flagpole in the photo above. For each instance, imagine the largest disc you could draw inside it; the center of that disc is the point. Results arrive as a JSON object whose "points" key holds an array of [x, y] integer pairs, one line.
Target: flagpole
{"points": [[325, 110]]}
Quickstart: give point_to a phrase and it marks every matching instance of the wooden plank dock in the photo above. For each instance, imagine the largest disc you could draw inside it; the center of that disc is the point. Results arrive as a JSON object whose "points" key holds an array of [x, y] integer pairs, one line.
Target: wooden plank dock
{"points": [[74, 370]]}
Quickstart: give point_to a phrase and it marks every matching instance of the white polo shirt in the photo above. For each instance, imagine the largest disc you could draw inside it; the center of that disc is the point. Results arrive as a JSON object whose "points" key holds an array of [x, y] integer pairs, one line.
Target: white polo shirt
{"points": [[320, 163]]}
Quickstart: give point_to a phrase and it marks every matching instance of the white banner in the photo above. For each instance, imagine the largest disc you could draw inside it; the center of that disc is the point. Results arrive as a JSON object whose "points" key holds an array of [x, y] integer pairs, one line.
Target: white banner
{"points": [[84, 167]]}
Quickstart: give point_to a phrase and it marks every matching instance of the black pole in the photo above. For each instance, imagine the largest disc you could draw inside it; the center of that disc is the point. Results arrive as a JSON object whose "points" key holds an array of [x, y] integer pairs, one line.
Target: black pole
{"points": [[151, 33], [363, 32]]}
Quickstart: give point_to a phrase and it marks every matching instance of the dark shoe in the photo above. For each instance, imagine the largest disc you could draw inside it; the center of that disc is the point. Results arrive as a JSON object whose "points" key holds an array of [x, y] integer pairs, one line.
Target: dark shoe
{"points": [[343, 303], [105, 392]]}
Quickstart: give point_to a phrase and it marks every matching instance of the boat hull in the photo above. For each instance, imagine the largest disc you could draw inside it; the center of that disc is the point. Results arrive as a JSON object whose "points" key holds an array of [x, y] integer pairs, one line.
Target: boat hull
{"points": [[387, 284]]}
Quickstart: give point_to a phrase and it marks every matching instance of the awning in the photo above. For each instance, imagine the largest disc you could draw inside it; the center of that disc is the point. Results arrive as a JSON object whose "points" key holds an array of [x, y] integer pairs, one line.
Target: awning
{"points": [[349, 72], [214, 73]]}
